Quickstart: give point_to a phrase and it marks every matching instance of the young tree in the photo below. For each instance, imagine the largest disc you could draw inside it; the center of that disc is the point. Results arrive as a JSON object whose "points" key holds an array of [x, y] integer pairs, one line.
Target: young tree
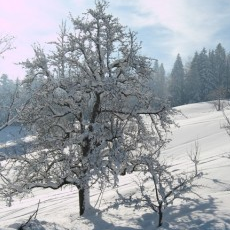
{"points": [[165, 186], [87, 108], [160, 185], [176, 85]]}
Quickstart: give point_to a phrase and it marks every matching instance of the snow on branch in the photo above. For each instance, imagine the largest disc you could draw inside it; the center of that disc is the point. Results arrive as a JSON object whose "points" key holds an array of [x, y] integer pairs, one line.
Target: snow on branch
{"points": [[5, 43]]}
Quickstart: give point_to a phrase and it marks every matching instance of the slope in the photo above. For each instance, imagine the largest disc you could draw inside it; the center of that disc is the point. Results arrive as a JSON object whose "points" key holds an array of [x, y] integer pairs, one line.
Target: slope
{"points": [[209, 209]]}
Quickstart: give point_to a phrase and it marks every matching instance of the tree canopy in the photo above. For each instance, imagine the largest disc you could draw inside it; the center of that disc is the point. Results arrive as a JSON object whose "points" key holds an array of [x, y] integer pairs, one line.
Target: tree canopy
{"points": [[87, 105]]}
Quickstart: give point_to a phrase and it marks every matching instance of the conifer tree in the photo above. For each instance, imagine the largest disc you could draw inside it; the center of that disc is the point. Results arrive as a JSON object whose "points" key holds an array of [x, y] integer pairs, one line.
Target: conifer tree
{"points": [[192, 81], [219, 68], [176, 84], [157, 82], [206, 75]]}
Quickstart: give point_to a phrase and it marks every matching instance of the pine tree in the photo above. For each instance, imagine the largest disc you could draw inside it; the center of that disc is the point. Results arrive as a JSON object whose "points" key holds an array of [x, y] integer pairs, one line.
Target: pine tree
{"points": [[162, 84], [206, 75], [219, 68], [192, 81], [157, 82], [176, 85], [227, 80]]}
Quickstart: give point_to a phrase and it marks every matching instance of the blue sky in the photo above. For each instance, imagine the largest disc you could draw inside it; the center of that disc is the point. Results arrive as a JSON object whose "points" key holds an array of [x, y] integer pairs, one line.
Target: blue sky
{"points": [[165, 27]]}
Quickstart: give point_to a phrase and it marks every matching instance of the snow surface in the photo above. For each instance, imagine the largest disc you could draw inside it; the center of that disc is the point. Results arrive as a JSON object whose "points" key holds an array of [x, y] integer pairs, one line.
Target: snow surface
{"points": [[210, 208]]}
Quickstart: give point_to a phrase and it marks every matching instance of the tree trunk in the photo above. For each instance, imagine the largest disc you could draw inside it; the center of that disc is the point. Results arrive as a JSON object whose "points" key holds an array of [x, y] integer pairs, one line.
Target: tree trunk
{"points": [[84, 202], [219, 105], [160, 219]]}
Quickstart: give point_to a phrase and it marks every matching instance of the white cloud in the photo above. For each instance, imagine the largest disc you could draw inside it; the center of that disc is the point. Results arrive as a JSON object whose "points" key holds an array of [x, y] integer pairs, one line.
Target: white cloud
{"points": [[192, 24]]}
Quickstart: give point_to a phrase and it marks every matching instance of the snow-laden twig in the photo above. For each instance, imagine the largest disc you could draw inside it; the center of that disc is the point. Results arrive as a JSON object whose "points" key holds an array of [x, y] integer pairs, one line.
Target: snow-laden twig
{"points": [[34, 215]]}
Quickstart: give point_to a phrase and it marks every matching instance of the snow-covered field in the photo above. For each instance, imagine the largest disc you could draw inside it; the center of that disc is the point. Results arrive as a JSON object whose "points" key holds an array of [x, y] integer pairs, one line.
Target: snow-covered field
{"points": [[210, 208]]}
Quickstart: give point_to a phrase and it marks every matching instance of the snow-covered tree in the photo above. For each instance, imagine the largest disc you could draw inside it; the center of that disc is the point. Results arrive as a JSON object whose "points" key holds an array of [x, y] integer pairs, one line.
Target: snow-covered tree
{"points": [[207, 80], [8, 88], [5, 43], [162, 82], [159, 80], [157, 83], [193, 82], [159, 185], [7, 98], [176, 84], [219, 64], [87, 108], [227, 79], [207, 76]]}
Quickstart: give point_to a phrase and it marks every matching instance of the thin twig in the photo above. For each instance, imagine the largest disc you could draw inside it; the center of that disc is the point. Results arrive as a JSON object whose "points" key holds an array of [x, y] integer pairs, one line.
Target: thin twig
{"points": [[33, 215]]}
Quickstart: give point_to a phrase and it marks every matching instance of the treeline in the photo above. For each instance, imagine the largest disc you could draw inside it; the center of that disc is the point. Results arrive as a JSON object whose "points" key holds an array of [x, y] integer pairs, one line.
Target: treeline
{"points": [[205, 78]]}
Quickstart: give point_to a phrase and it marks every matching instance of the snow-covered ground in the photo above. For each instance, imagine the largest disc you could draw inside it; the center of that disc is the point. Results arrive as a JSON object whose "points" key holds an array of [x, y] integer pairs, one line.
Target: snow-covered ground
{"points": [[210, 208]]}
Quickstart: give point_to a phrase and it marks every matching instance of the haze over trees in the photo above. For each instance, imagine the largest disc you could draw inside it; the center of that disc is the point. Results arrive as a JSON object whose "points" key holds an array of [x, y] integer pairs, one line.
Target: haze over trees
{"points": [[157, 82], [176, 83], [207, 78]]}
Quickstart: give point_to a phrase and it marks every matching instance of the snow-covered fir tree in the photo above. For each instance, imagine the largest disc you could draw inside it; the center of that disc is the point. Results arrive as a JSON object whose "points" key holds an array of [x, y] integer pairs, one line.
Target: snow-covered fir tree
{"points": [[176, 85], [157, 81], [219, 68], [192, 81], [227, 79], [206, 75]]}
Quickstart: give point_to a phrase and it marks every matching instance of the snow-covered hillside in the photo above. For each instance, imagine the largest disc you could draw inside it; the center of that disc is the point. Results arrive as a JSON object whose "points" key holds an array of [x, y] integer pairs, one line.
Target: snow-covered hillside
{"points": [[210, 208]]}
